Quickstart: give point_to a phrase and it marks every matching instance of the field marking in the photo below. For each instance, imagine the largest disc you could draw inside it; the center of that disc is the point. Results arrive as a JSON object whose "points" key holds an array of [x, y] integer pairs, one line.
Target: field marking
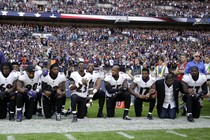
{"points": [[176, 133], [70, 137], [125, 135], [10, 137]]}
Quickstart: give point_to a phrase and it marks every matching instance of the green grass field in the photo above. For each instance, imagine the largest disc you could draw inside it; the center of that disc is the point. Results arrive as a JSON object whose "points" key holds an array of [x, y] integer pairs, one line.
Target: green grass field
{"points": [[180, 134], [185, 134]]}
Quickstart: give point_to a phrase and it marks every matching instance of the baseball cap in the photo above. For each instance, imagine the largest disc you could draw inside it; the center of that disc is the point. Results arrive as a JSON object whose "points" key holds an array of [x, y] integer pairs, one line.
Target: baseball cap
{"points": [[30, 68]]}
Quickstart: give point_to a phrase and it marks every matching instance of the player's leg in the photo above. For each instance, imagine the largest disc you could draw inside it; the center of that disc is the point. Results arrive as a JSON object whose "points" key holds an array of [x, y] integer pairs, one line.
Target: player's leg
{"points": [[110, 106], [58, 104], [29, 107], [74, 99], [100, 95], [152, 102], [3, 108], [82, 109], [196, 109], [19, 104], [47, 106], [12, 100], [125, 96], [138, 107]]}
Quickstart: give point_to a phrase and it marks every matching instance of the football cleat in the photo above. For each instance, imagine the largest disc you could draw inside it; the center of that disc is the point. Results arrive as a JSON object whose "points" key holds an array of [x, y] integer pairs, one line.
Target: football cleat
{"points": [[58, 117], [100, 115], [149, 117], [190, 118], [68, 112], [40, 112], [11, 116], [74, 119], [19, 116], [126, 118]]}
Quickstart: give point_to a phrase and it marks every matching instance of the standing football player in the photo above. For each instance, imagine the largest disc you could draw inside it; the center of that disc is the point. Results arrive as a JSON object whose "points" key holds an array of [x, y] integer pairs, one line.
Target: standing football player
{"points": [[146, 83], [27, 92], [7, 91], [95, 92], [79, 85], [117, 90], [54, 90]]}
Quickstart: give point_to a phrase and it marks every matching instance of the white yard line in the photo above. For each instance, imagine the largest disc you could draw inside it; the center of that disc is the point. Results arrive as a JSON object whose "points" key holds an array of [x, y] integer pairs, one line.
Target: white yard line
{"points": [[70, 137], [176, 133], [125, 135], [10, 137]]}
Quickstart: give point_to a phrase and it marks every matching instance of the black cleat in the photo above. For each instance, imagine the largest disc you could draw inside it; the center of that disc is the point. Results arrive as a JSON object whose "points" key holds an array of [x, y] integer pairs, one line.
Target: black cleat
{"points": [[11, 117], [58, 117], [149, 117], [40, 112], [74, 119], [190, 118], [100, 115], [126, 118], [19, 116], [68, 112]]}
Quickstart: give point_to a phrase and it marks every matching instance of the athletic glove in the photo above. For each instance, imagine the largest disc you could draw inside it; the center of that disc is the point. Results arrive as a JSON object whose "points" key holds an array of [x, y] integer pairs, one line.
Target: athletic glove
{"points": [[32, 94], [197, 96], [44, 72]]}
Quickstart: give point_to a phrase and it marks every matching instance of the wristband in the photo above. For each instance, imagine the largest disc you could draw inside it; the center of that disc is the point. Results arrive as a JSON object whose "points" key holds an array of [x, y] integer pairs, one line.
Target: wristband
{"points": [[77, 85], [90, 96], [94, 91]]}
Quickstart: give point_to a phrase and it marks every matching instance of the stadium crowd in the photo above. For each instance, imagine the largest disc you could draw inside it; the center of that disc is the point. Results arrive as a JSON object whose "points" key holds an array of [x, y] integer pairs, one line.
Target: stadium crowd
{"points": [[68, 44], [150, 8]]}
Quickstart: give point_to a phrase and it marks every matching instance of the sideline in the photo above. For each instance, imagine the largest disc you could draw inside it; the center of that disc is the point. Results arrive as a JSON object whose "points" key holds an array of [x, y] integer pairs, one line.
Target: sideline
{"points": [[125, 135], [10, 137], [176, 133], [70, 137]]}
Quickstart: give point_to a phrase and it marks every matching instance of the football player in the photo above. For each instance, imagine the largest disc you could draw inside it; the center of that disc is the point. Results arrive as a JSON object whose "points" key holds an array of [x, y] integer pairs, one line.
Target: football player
{"points": [[147, 92], [27, 92], [117, 90], [7, 91], [54, 90], [195, 87], [79, 85], [95, 92]]}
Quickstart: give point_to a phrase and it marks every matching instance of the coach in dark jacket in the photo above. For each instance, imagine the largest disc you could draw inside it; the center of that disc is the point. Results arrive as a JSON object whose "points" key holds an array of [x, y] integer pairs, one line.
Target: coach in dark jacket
{"points": [[167, 96]]}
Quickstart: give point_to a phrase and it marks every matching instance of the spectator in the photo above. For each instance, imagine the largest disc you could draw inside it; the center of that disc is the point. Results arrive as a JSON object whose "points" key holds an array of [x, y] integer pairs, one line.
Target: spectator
{"points": [[196, 62]]}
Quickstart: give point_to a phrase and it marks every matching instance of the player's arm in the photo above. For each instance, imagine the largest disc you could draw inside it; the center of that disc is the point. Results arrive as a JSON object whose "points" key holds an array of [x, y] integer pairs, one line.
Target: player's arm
{"points": [[133, 85], [97, 84], [45, 89], [186, 88], [73, 85], [124, 85], [13, 88], [204, 89], [151, 92], [110, 88], [61, 88], [20, 86]]}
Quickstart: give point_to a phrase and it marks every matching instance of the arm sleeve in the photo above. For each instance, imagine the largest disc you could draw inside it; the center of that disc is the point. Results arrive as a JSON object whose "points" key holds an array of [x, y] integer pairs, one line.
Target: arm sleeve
{"points": [[204, 89], [109, 88], [44, 86]]}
